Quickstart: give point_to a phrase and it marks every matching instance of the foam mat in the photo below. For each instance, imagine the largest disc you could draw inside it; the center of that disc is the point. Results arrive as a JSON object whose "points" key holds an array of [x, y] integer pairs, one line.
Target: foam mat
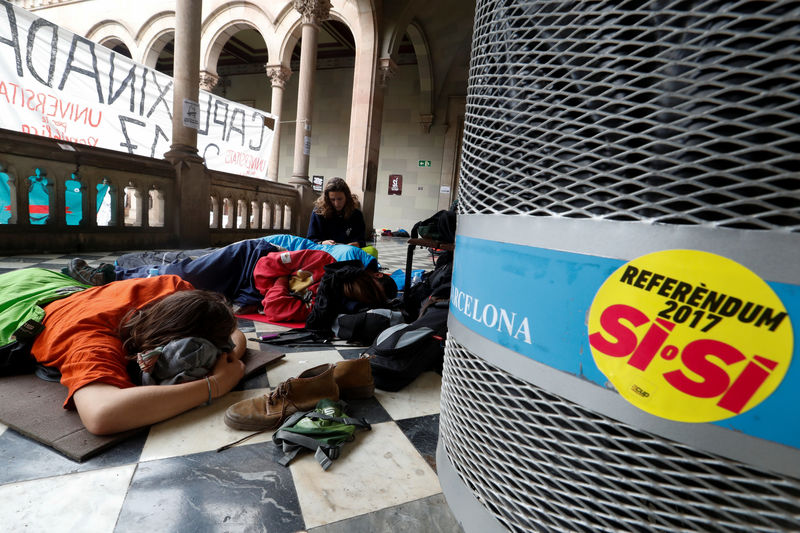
{"points": [[33, 407]]}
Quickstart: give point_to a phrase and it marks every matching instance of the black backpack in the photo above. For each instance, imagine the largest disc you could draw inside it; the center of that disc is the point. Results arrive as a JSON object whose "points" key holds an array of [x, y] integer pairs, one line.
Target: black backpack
{"points": [[403, 352], [363, 327], [441, 227], [435, 284]]}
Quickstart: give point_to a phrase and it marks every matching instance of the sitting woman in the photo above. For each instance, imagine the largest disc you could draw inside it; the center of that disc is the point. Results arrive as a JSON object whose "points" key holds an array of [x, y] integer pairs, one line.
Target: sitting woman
{"points": [[93, 338], [335, 219]]}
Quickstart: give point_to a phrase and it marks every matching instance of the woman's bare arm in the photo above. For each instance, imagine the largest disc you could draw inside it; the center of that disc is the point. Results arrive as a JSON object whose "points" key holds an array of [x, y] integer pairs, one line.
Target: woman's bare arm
{"points": [[106, 409], [240, 344]]}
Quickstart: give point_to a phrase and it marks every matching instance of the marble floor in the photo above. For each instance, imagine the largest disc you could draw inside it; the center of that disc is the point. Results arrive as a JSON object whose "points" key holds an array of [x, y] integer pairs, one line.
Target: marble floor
{"points": [[171, 479]]}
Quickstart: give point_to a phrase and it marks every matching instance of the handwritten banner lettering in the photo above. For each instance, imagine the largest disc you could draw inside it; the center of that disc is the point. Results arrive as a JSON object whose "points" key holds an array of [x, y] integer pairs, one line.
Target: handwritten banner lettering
{"points": [[60, 85]]}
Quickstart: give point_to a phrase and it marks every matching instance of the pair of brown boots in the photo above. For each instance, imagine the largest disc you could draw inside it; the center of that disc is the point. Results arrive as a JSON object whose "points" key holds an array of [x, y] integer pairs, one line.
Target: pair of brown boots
{"points": [[350, 379]]}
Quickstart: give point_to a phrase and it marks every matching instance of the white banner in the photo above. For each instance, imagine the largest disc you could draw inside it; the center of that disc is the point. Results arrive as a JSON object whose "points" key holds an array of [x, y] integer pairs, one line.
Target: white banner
{"points": [[57, 84]]}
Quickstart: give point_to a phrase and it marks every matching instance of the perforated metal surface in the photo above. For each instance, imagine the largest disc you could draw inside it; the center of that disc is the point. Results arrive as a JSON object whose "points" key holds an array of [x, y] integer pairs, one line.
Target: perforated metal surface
{"points": [[540, 463], [674, 112]]}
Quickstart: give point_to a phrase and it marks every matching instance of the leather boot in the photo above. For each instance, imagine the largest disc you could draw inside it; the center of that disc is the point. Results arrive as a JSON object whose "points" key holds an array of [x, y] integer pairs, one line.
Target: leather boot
{"points": [[354, 378], [295, 394]]}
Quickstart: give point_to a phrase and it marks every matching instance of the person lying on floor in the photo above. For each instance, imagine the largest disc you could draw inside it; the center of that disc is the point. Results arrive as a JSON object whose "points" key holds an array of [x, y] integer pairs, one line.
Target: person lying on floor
{"points": [[92, 337], [227, 270], [283, 241], [341, 252], [289, 281]]}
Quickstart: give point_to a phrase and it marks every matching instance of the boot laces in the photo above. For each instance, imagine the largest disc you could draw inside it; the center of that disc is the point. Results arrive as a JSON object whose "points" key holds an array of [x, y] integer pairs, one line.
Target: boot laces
{"points": [[281, 392]]}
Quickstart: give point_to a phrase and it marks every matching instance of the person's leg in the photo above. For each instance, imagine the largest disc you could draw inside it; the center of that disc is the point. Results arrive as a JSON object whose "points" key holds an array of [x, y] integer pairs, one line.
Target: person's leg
{"points": [[79, 270], [227, 270]]}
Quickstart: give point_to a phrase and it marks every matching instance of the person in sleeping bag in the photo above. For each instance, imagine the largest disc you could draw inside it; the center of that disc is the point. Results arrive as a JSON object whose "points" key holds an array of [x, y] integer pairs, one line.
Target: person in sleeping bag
{"points": [[289, 281], [227, 270], [97, 339], [341, 252]]}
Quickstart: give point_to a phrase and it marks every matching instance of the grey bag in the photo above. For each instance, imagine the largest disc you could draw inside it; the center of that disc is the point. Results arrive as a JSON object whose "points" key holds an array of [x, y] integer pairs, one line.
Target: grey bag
{"points": [[181, 360]]}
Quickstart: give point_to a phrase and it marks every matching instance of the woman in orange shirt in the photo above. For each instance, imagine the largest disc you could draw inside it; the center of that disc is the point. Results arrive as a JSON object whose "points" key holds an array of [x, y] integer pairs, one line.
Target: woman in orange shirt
{"points": [[92, 337]]}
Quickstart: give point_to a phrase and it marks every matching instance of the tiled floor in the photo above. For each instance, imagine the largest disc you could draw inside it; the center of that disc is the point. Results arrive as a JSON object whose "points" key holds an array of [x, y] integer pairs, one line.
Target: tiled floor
{"points": [[170, 479]]}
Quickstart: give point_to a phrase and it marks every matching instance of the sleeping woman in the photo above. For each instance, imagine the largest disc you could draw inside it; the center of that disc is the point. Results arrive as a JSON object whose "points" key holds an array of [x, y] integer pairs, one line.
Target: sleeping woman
{"points": [[93, 337]]}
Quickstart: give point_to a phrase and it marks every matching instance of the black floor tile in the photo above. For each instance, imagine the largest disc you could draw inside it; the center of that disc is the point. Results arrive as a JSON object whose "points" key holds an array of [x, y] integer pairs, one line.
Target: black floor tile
{"points": [[24, 459], [423, 432], [240, 489]]}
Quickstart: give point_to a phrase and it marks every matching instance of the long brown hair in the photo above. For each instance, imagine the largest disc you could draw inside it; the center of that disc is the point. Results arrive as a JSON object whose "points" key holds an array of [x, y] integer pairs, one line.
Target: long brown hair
{"points": [[323, 205], [193, 313], [365, 289]]}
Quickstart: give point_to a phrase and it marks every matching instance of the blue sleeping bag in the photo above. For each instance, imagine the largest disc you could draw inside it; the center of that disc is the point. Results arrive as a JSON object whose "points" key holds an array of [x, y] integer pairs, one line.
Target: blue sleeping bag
{"points": [[340, 252]]}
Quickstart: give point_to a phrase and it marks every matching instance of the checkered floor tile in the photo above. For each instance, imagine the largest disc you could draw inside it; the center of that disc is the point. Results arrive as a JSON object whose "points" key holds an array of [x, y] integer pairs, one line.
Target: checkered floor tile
{"points": [[170, 478]]}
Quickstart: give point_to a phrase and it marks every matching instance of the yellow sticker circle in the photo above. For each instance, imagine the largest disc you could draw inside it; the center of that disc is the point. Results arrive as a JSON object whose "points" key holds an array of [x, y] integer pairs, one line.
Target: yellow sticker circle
{"points": [[690, 336]]}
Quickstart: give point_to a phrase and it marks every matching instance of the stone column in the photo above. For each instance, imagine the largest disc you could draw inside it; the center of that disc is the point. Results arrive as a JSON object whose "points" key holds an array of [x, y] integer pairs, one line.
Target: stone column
{"points": [[186, 71], [192, 182], [278, 76], [386, 70], [313, 12]]}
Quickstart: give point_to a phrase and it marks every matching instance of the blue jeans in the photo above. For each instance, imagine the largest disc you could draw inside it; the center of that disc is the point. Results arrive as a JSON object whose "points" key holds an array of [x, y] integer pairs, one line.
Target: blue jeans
{"points": [[227, 270]]}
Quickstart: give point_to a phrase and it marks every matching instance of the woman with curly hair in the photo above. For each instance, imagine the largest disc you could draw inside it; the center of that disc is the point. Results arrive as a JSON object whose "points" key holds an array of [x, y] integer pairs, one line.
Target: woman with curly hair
{"points": [[336, 219]]}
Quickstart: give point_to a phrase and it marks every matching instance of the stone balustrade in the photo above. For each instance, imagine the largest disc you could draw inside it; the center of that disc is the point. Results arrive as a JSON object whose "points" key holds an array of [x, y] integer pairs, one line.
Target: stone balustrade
{"points": [[31, 5], [57, 196]]}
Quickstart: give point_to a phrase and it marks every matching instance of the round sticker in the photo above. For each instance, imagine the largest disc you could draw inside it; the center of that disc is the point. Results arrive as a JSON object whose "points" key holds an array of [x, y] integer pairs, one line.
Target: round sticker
{"points": [[690, 336]]}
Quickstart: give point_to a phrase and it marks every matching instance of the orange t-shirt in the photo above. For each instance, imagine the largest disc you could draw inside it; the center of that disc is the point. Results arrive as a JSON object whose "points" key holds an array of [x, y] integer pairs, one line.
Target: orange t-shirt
{"points": [[81, 331]]}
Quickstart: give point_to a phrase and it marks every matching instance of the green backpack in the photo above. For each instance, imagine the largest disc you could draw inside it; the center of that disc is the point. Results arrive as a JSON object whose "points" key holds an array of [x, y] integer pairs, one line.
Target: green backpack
{"points": [[24, 293], [323, 431]]}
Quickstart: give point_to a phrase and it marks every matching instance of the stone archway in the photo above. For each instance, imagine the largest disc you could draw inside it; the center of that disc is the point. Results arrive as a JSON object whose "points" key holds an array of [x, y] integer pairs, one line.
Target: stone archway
{"points": [[225, 22], [111, 33], [153, 36], [426, 81]]}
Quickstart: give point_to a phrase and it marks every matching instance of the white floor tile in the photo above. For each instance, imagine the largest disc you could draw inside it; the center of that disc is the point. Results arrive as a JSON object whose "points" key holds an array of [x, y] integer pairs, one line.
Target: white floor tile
{"points": [[199, 430], [88, 501], [58, 260], [16, 265], [379, 469], [294, 364], [421, 397]]}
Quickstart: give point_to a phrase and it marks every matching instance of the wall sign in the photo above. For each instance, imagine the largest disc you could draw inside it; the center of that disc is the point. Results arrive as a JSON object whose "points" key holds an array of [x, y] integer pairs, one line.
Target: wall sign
{"points": [[396, 184], [191, 114]]}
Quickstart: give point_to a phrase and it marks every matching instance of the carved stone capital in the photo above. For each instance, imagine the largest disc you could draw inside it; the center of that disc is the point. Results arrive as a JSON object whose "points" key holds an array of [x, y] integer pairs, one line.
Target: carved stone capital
{"points": [[278, 75], [388, 69], [425, 122], [208, 80], [313, 11]]}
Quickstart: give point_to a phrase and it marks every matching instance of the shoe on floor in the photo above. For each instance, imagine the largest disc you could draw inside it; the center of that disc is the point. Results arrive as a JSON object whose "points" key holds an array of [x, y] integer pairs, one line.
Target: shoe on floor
{"points": [[354, 378], [295, 394], [245, 309], [79, 270]]}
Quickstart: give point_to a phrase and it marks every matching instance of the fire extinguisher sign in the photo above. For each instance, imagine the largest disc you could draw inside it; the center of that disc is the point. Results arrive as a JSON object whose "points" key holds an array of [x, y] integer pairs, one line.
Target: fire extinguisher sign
{"points": [[689, 335]]}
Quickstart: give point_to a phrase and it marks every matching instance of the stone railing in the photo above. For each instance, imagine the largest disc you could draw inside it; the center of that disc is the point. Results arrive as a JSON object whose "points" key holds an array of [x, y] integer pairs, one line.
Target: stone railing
{"points": [[242, 207], [57, 196], [32, 5]]}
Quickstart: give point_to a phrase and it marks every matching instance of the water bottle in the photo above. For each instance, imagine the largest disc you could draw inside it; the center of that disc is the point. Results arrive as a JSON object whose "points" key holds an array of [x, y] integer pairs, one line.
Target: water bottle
{"points": [[416, 277], [153, 272]]}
